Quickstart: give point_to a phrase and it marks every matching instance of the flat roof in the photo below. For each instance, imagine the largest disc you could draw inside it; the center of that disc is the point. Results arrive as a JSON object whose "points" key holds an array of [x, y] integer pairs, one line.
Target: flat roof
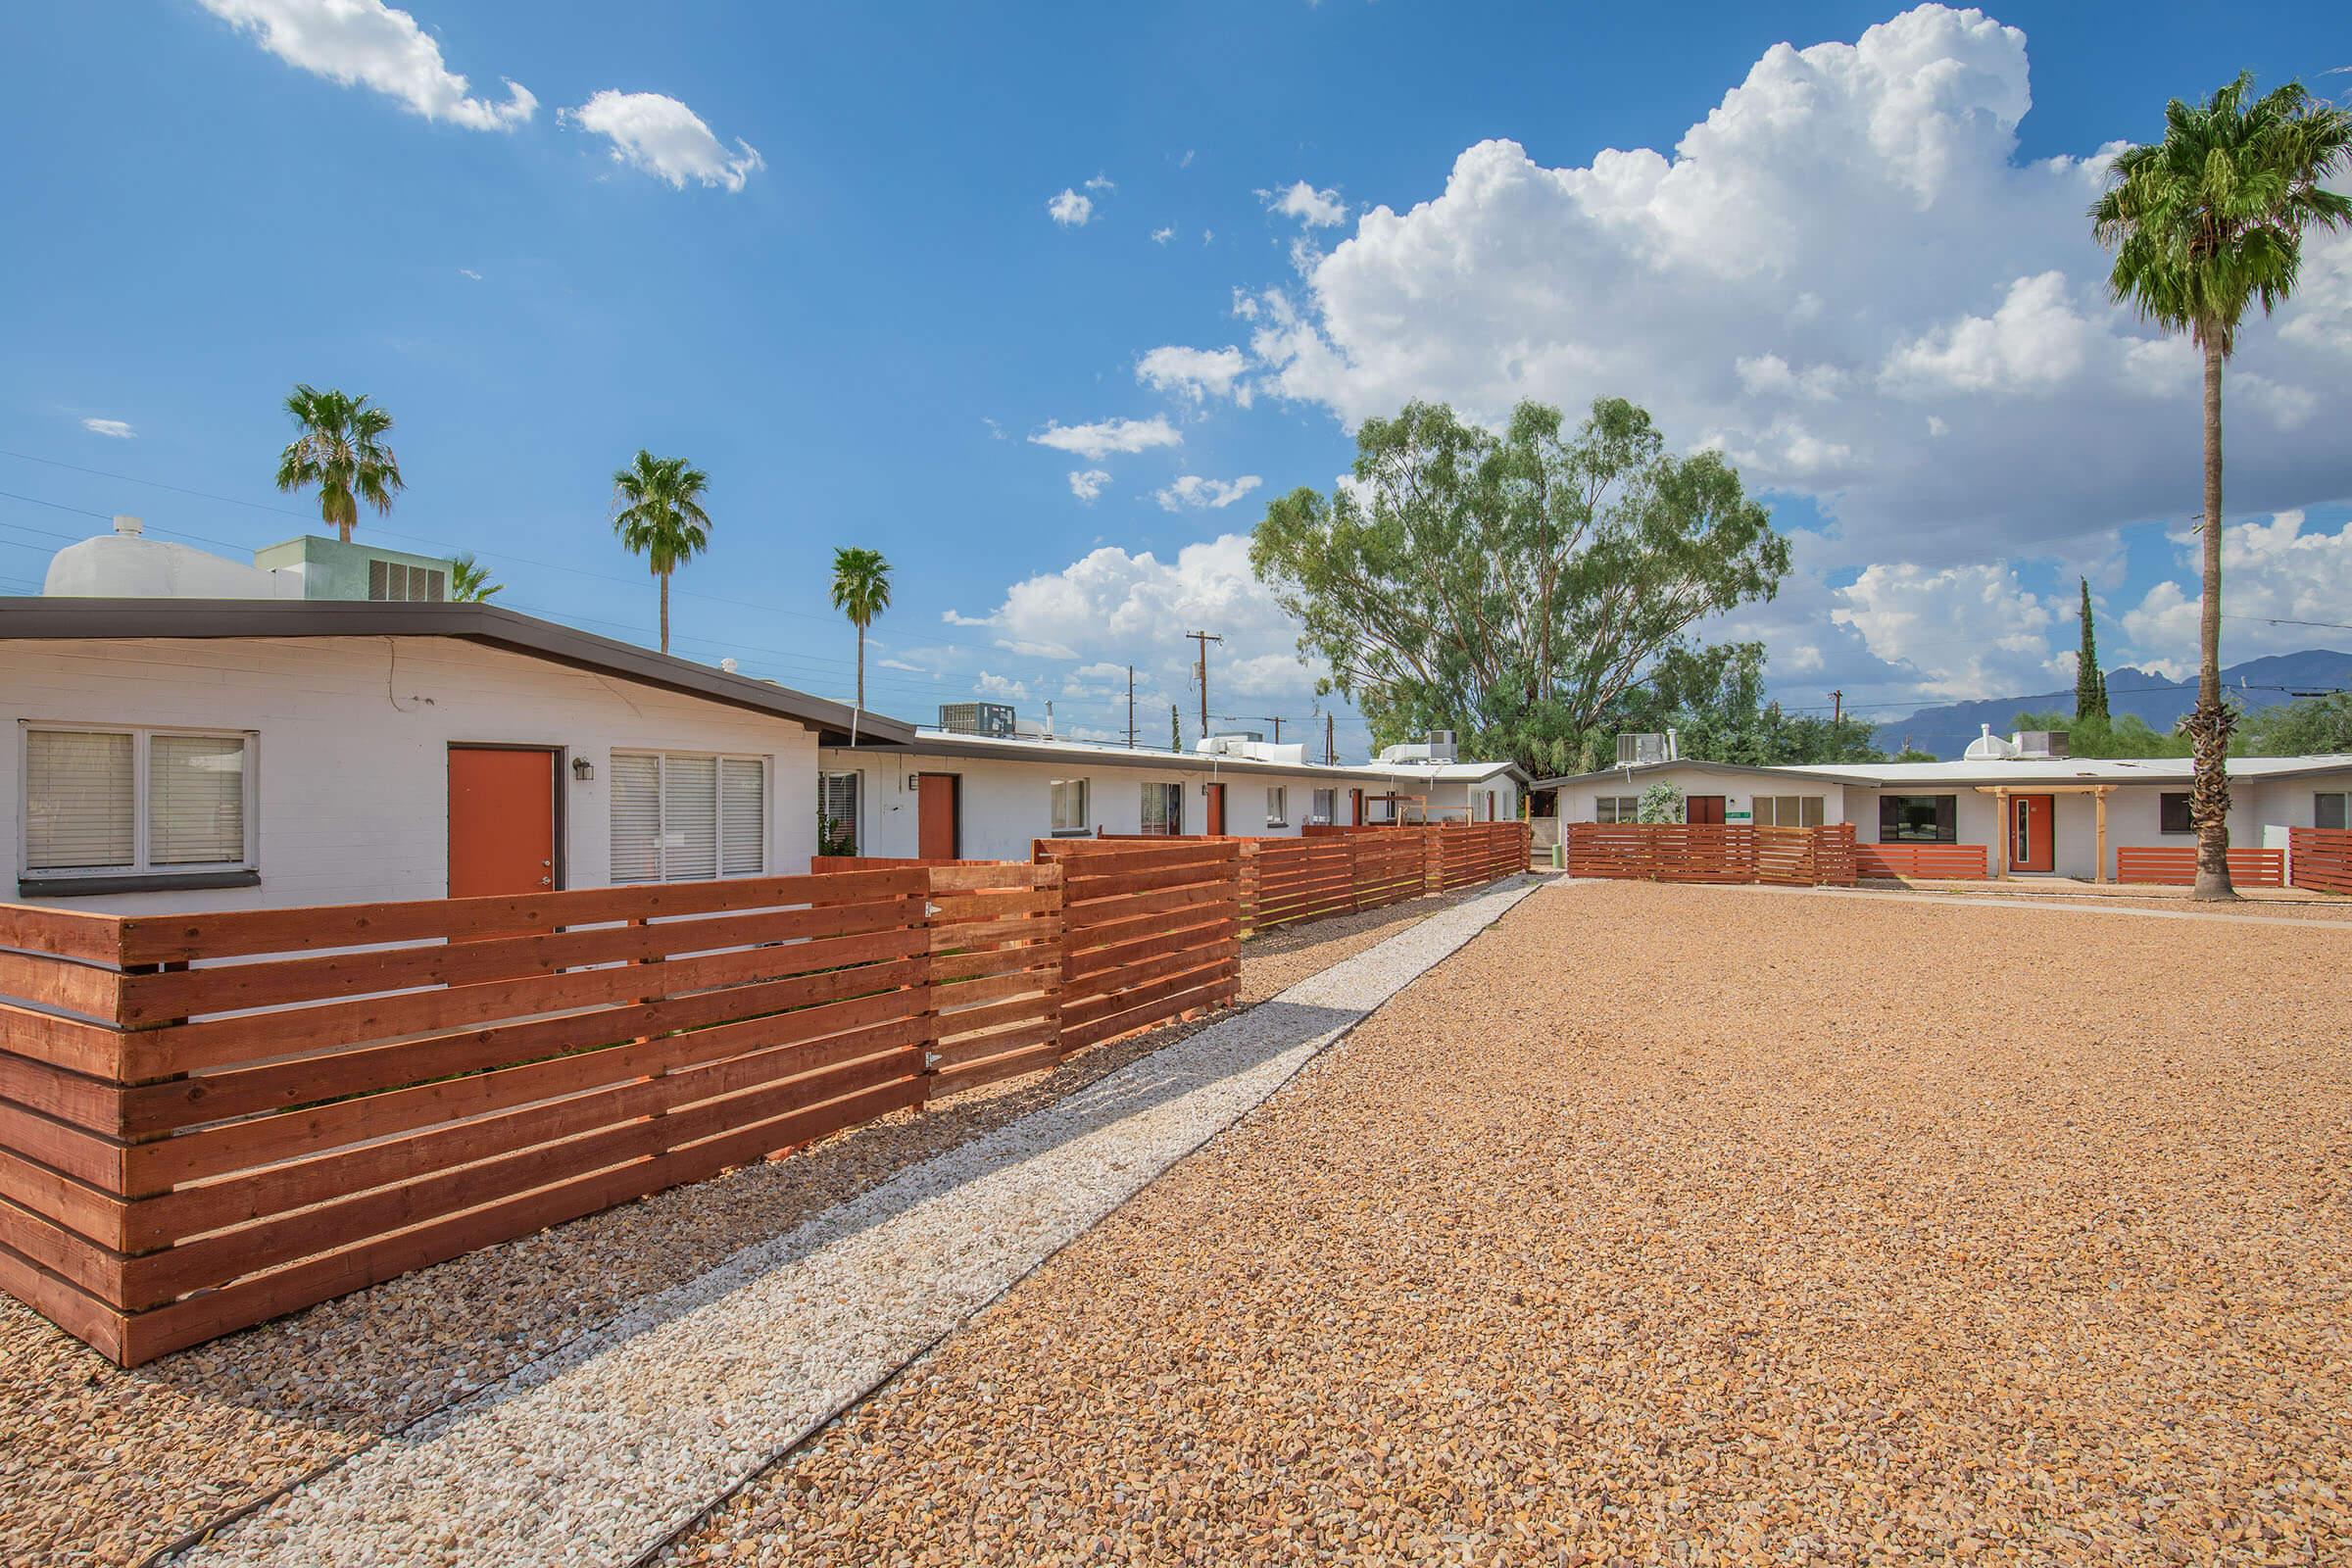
{"points": [[2017, 771], [1097, 753], [56, 619]]}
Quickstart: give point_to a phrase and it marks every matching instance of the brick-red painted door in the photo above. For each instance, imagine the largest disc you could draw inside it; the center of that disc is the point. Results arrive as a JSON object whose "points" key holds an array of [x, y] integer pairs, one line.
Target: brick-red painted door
{"points": [[502, 820], [936, 832]]}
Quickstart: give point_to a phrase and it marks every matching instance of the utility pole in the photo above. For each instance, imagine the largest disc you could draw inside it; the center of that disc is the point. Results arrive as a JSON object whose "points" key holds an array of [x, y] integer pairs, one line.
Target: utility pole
{"points": [[1203, 639], [1329, 756], [1836, 708], [1131, 708]]}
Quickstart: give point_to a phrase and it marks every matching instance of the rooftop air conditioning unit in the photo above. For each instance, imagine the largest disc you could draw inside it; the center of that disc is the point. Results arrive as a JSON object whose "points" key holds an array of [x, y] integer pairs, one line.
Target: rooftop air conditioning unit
{"points": [[992, 720], [2042, 743], [1441, 746], [1644, 750]]}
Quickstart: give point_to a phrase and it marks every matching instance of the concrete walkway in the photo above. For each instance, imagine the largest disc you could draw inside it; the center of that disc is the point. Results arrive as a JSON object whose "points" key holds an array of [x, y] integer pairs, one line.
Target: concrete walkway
{"points": [[599, 1453]]}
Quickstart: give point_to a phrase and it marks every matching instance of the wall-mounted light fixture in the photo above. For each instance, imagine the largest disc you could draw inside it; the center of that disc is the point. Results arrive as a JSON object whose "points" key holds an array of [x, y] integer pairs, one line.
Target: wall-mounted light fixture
{"points": [[583, 769]]}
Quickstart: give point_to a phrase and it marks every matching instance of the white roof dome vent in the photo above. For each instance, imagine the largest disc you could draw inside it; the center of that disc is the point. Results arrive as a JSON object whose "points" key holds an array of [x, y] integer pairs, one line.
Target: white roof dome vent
{"points": [[1991, 748]]}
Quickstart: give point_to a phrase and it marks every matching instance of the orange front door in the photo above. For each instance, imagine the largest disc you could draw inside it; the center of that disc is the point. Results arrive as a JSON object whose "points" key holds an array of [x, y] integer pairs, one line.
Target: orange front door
{"points": [[2032, 847], [502, 820], [1704, 810], [935, 825], [1217, 810], [1356, 808]]}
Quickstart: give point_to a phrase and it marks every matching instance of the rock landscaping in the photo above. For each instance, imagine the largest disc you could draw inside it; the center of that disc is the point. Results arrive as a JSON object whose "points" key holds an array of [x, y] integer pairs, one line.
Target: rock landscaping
{"points": [[1683, 1224]]}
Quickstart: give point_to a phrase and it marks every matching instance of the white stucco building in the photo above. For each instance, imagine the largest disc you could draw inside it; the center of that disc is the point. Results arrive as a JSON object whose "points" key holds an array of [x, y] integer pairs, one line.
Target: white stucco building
{"points": [[170, 752], [2035, 813]]}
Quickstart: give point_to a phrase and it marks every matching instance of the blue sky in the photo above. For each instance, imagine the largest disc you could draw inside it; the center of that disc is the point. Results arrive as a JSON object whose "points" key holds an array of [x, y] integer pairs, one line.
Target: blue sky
{"points": [[814, 251]]}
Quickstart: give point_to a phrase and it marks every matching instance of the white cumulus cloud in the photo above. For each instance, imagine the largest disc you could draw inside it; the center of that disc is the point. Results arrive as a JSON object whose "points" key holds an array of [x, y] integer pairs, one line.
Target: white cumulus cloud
{"points": [[365, 43], [2274, 572], [1069, 208], [1847, 252], [1969, 631], [1195, 373], [1316, 209], [663, 137], [1097, 441], [1192, 490], [1088, 484]]}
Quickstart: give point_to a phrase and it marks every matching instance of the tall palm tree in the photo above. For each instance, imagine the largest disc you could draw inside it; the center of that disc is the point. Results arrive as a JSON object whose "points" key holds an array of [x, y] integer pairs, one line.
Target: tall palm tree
{"points": [[341, 450], [2203, 224], [860, 591], [470, 582], [657, 512]]}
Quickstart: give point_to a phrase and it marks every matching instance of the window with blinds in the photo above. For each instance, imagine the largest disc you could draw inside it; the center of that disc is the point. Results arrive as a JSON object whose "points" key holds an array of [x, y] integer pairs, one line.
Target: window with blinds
{"points": [[1325, 807], [124, 801], [837, 813], [1068, 806], [1787, 810], [682, 817], [1278, 805]]}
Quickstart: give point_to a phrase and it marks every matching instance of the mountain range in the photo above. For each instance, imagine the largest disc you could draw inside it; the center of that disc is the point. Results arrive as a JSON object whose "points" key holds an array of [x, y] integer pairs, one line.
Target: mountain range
{"points": [[2161, 701]]}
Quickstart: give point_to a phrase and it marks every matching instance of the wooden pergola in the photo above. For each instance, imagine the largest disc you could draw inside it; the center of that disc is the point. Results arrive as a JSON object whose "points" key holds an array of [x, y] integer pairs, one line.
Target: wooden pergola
{"points": [[2001, 794]]}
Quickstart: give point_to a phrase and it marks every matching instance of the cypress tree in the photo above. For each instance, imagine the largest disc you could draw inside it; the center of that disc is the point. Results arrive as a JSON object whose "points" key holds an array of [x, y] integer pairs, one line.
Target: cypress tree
{"points": [[2091, 687]]}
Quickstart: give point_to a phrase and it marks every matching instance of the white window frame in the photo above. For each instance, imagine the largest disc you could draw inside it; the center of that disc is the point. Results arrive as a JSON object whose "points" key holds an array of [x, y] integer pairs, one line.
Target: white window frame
{"points": [[1053, 823], [1323, 806], [1278, 805], [825, 777], [1617, 809], [142, 737], [717, 761]]}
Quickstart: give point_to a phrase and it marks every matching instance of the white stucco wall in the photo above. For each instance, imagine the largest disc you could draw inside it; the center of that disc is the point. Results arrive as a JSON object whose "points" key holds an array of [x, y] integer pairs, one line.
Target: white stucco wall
{"points": [[1007, 804], [351, 757], [1576, 802]]}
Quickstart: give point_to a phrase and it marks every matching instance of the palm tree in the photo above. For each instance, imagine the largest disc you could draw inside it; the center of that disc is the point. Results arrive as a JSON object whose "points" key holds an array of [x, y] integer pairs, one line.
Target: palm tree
{"points": [[860, 591], [2203, 224], [470, 582], [341, 450], [657, 512]]}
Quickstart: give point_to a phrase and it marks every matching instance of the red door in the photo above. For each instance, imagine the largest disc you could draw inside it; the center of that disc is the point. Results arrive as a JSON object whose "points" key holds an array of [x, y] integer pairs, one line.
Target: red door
{"points": [[1216, 809], [502, 820], [936, 827], [1356, 808], [2032, 846], [1704, 810]]}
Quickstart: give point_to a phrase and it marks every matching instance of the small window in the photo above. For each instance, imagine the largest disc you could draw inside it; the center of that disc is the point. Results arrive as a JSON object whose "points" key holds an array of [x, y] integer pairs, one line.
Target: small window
{"points": [[1325, 807], [1787, 810], [1163, 809], [1069, 807], [1278, 805], [683, 817], [1919, 819], [2332, 808], [135, 801], [1617, 809], [837, 797], [2171, 813]]}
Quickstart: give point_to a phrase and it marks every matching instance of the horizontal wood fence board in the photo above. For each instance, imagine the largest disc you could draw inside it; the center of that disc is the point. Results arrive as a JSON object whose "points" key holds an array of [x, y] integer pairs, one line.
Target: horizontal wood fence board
{"points": [[165, 938], [279, 982], [65, 984], [1214, 991], [953, 1078], [62, 933], [80, 1207], [86, 1316], [154, 1108], [204, 1316], [62, 1146], [82, 1262], [967, 1049], [292, 1135], [76, 1044], [249, 1037], [92, 1103], [2320, 858], [2176, 865]]}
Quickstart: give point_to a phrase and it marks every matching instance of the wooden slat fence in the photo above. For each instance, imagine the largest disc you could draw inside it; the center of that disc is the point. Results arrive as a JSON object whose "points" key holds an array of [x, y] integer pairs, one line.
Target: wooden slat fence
{"points": [[1672, 852], [1935, 862], [216, 1118], [2176, 865], [2321, 858], [1150, 929], [996, 973]]}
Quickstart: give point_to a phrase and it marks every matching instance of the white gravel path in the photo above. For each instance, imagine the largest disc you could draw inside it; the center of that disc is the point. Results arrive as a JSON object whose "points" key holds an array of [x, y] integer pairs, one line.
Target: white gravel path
{"points": [[597, 1453]]}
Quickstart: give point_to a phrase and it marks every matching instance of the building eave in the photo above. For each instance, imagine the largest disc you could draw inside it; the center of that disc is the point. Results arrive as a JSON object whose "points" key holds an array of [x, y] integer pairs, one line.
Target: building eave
{"points": [[63, 620]]}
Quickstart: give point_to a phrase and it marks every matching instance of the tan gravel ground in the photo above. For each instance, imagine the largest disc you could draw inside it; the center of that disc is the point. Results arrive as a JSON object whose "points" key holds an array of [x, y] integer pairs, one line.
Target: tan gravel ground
{"points": [[101, 1466], [1692, 1225]]}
